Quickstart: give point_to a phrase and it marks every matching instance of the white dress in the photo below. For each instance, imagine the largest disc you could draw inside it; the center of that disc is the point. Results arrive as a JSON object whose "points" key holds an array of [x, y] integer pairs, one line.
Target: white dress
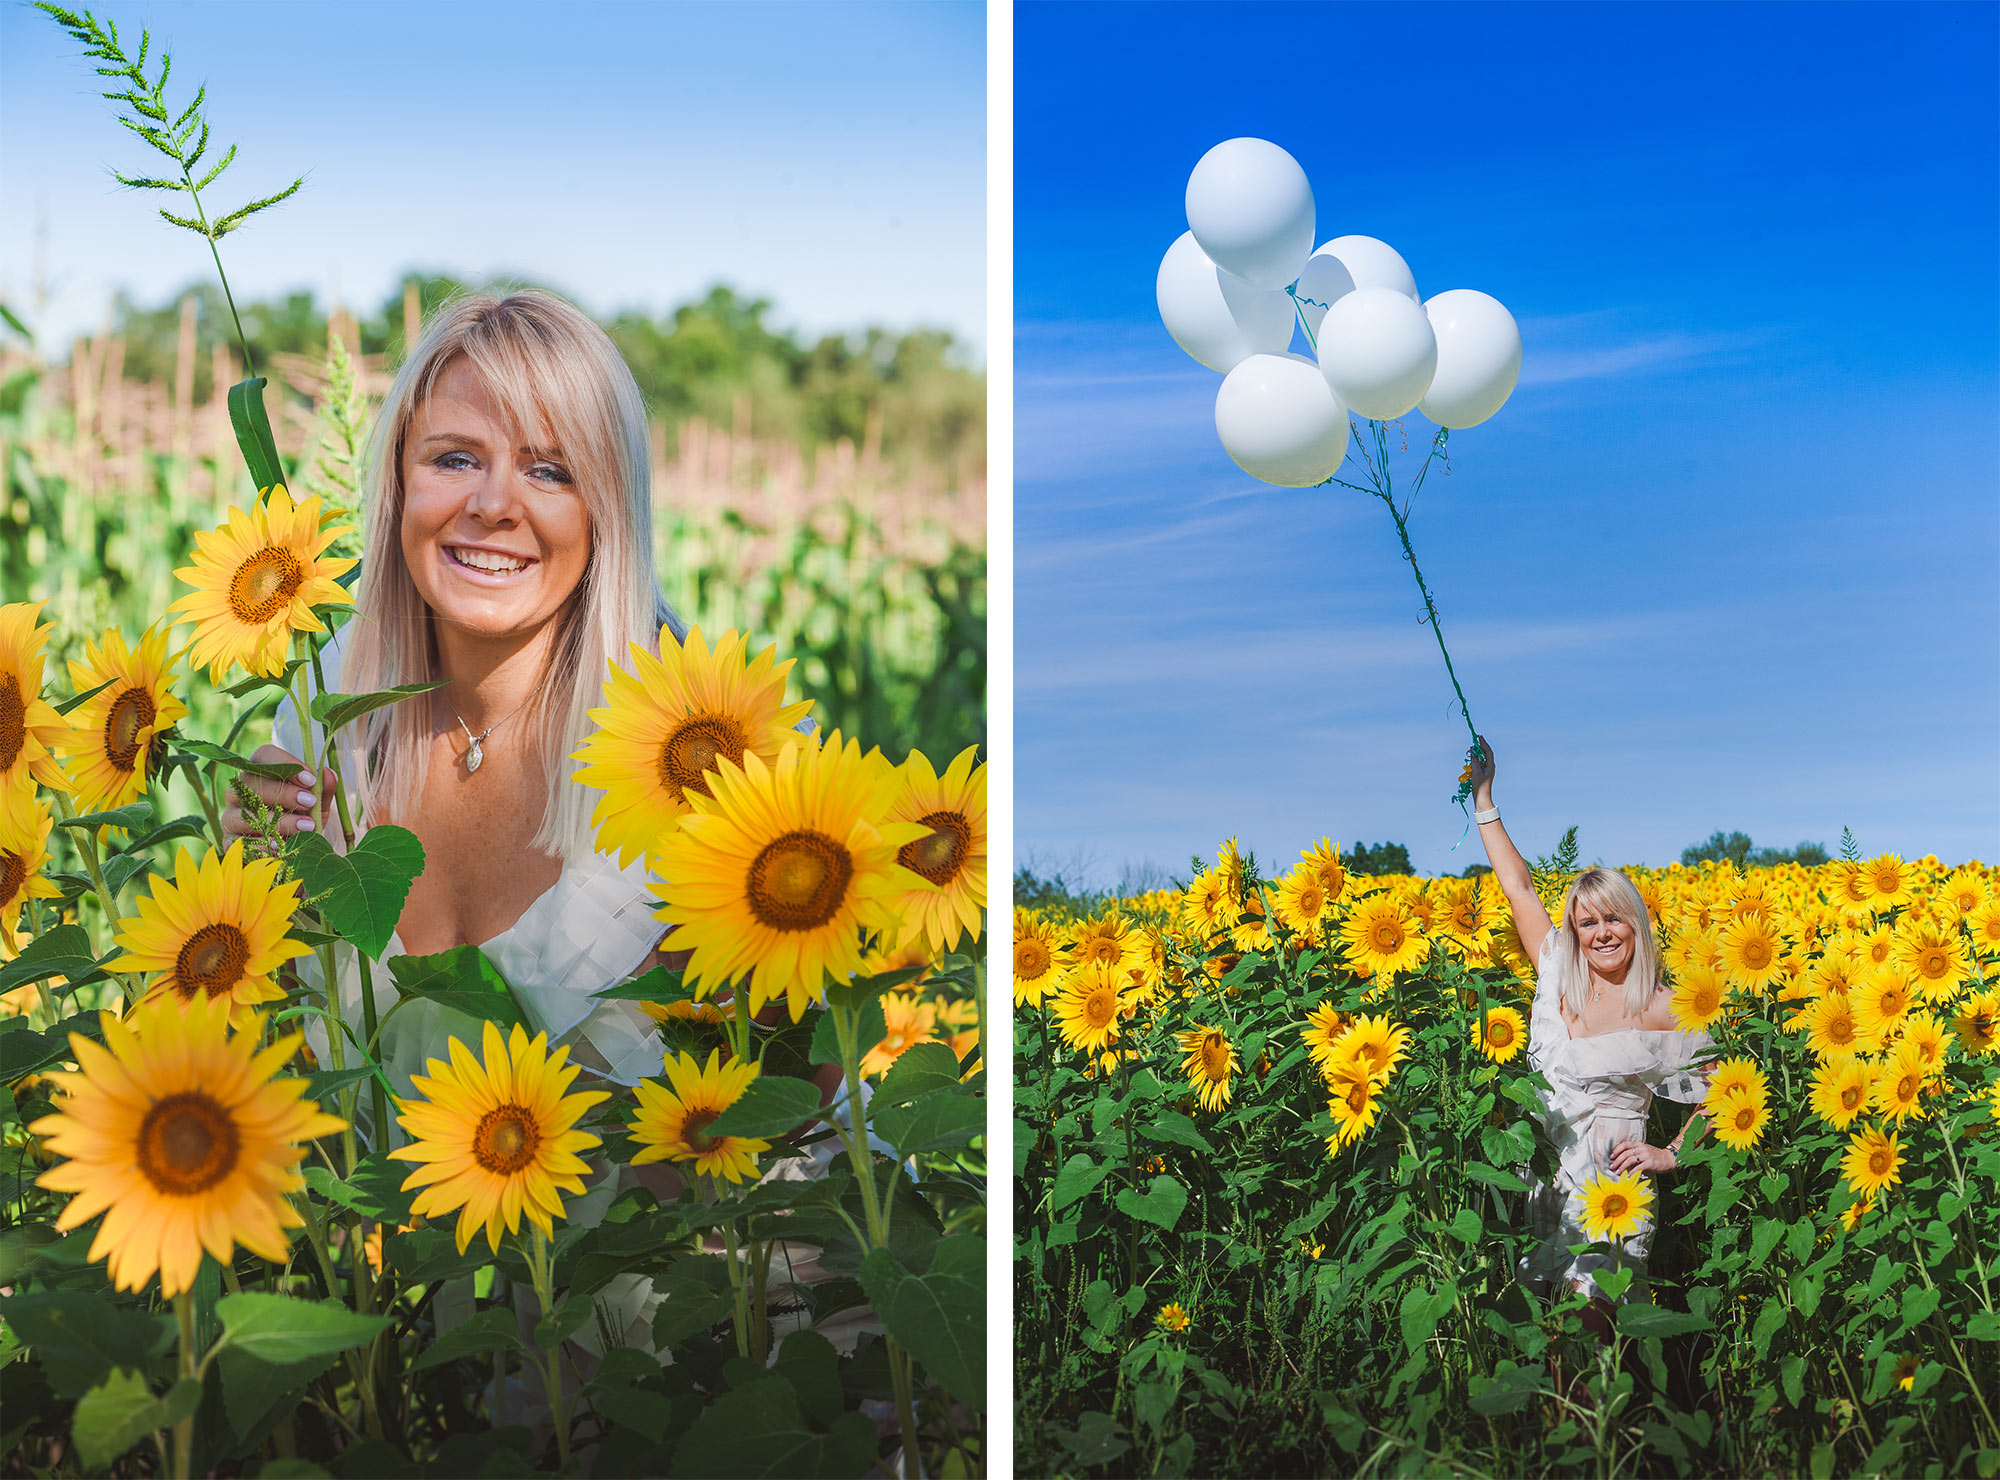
{"points": [[1600, 1090]]}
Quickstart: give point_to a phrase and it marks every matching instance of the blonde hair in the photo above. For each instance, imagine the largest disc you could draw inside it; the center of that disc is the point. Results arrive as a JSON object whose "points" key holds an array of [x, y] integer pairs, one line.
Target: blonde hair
{"points": [[560, 380], [1606, 891]]}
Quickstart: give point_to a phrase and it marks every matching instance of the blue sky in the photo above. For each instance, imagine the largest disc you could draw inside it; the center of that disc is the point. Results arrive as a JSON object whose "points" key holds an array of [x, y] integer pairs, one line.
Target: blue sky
{"points": [[1729, 558], [828, 156]]}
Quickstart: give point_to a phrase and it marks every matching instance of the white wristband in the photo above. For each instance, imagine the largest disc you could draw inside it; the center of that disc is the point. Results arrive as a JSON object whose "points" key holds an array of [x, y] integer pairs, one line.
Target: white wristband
{"points": [[1491, 814]]}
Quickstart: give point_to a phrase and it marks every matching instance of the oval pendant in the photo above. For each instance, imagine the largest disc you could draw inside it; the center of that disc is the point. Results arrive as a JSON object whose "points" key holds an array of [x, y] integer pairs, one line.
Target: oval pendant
{"points": [[473, 757]]}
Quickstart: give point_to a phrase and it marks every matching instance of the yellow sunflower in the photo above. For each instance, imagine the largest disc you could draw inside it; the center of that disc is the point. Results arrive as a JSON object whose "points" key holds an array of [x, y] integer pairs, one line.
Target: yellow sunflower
{"points": [[256, 581], [1384, 936], [1983, 921], [1739, 1118], [1977, 1026], [1840, 1090], [1301, 901], [1171, 1317], [1208, 905], [1353, 1102], [1500, 1034], [1928, 1037], [1751, 952], [177, 1133], [1933, 955], [1835, 972], [1962, 892], [1374, 1045], [1699, 993], [1467, 918], [1733, 1076], [672, 1119], [1038, 969], [1899, 1083], [1885, 882], [1614, 1206], [111, 735], [951, 854], [907, 1021], [24, 853], [780, 871], [1209, 1060], [1110, 941], [1832, 1029], [1322, 1030], [1090, 1007], [496, 1138], [1854, 1212], [666, 725], [1881, 1003], [1324, 860], [217, 930], [1872, 1161], [30, 728]]}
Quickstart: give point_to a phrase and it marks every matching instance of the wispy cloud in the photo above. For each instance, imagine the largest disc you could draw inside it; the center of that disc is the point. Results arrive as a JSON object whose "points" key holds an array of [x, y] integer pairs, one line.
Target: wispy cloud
{"points": [[1596, 346]]}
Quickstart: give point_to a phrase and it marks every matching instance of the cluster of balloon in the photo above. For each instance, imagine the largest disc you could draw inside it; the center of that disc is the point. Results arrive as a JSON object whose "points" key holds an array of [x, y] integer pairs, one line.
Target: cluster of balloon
{"points": [[1245, 270]]}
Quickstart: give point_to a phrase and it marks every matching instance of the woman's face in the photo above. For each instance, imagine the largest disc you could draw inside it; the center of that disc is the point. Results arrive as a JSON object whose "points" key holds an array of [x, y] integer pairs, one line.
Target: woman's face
{"points": [[496, 535], [1606, 937]]}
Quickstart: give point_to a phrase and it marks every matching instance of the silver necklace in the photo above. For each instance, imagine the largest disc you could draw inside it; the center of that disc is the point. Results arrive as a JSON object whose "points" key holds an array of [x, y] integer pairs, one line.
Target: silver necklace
{"points": [[473, 753]]}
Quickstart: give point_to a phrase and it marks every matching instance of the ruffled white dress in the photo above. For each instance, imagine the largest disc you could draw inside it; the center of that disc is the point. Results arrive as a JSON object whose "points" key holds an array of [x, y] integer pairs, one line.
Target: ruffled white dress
{"points": [[1600, 1090]]}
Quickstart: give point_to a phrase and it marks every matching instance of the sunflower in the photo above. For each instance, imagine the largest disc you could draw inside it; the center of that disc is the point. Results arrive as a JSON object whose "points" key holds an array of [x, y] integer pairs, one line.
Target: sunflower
{"points": [[1301, 901], [780, 871], [1171, 1317], [1499, 1034], [217, 930], [1984, 924], [30, 728], [1840, 1090], [1698, 949], [1977, 1026], [1933, 955], [1905, 1370], [1110, 941], [1881, 1003], [24, 852], [1751, 951], [1324, 860], [1929, 1038], [672, 1119], [1876, 948], [1854, 1212], [1353, 1102], [1739, 1118], [256, 581], [1962, 892], [1037, 967], [1466, 916], [1229, 868], [1832, 1029], [1872, 1161], [1373, 1045], [907, 1021], [111, 735], [1834, 972], [1382, 934], [177, 1133], [1210, 1062], [1849, 892], [496, 1138], [1899, 1083], [1090, 1007], [1733, 1076], [1614, 1206], [666, 725], [1208, 905], [952, 855], [1885, 882], [1699, 993]]}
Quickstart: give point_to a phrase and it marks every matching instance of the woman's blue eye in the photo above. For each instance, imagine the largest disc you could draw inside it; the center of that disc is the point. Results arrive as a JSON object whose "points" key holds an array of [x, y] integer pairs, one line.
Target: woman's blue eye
{"points": [[454, 460], [549, 471]]}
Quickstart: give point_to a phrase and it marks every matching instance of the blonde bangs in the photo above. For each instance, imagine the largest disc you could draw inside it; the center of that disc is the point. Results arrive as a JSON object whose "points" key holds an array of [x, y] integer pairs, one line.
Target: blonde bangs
{"points": [[1607, 891], [567, 394]]}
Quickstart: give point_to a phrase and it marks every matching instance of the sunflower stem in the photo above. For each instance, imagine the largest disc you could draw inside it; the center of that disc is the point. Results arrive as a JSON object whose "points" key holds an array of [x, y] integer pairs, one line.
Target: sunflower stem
{"points": [[184, 1430], [1923, 1269], [86, 844], [1958, 1181], [540, 1264], [739, 1317]]}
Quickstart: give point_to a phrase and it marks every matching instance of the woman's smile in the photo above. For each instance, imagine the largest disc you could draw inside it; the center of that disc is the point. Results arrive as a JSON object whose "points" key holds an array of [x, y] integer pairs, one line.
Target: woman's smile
{"points": [[488, 565]]}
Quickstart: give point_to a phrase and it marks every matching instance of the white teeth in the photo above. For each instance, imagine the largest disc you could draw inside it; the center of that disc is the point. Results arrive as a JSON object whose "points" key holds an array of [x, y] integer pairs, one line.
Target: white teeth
{"points": [[486, 560]]}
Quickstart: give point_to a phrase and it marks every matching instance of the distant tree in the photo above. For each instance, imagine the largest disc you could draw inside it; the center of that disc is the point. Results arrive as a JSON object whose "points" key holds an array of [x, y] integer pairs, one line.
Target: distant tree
{"points": [[1383, 858], [1474, 870], [1737, 848]]}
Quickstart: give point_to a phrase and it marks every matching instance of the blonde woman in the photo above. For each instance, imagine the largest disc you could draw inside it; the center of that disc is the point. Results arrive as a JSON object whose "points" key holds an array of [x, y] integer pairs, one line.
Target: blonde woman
{"points": [[1603, 1035]]}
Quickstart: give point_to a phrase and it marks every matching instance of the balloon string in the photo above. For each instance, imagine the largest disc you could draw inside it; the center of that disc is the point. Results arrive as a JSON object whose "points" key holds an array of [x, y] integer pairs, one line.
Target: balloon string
{"points": [[1312, 340]]}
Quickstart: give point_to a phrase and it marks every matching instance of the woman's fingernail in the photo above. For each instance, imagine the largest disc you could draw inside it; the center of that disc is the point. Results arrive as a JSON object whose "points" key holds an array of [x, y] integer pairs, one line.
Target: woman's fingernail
{"points": [[306, 778], [306, 825], [305, 799]]}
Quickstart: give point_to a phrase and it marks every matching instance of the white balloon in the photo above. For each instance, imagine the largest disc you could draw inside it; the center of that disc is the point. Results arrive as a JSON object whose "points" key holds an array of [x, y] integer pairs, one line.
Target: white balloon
{"points": [[1377, 352], [1251, 209], [1478, 358], [1279, 422], [1344, 264], [1215, 316]]}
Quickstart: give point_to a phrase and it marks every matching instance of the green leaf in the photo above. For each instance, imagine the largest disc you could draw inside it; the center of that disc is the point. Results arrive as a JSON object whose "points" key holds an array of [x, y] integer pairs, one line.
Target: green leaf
{"points": [[1467, 1227], [638, 1410], [374, 1190], [1640, 1321], [657, 985], [131, 815], [1162, 1203], [935, 1123], [427, 1254], [1076, 1179], [570, 1317], [253, 433], [687, 1308], [1918, 1305], [757, 1430], [280, 1329], [335, 710], [268, 770], [1508, 1390], [180, 827], [121, 1410], [1478, 1171], [939, 1317], [922, 1070], [768, 1108], [1421, 1311], [63, 951], [463, 979], [251, 1386], [493, 1330], [365, 890], [246, 686], [80, 1336], [77, 701], [323, 1086], [1171, 1125], [826, 1044]]}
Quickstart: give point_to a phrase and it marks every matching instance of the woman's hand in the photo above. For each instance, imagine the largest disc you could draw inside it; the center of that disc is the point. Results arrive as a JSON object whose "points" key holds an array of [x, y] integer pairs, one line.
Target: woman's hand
{"points": [[302, 806], [1480, 763], [1629, 1156]]}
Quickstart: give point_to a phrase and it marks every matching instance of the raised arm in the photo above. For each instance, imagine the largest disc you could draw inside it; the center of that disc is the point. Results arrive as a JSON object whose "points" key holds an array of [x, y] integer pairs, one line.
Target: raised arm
{"points": [[1517, 882]]}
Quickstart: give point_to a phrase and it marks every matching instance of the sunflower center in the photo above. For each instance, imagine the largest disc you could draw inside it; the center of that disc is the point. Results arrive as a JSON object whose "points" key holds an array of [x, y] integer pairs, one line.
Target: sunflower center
{"points": [[1100, 1007], [211, 962], [187, 1144], [265, 584], [941, 855], [694, 1130], [1500, 1033], [13, 874], [131, 712], [1878, 1161], [1906, 1087], [1031, 959], [1357, 1096], [1215, 1057], [693, 749], [1840, 1029], [1756, 954], [1614, 1205], [1387, 935], [798, 881], [1746, 1116], [1932, 964], [1850, 1097], [506, 1139], [13, 720]]}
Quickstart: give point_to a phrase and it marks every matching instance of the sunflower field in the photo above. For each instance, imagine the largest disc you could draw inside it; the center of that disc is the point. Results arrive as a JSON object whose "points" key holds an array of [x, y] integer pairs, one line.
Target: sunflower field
{"points": [[1270, 1141], [224, 1253]]}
